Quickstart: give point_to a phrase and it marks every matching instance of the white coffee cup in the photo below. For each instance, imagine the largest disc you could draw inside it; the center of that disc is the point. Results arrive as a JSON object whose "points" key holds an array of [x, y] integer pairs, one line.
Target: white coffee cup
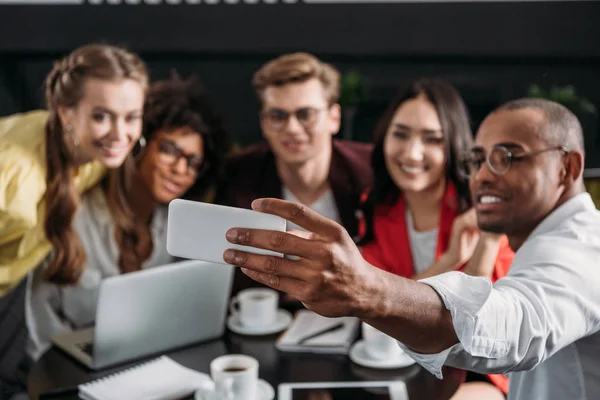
{"points": [[235, 377], [378, 345], [255, 307]]}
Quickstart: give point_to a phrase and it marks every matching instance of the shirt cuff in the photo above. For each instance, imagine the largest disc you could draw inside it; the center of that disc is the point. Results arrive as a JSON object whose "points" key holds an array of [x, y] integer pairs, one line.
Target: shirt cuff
{"points": [[464, 296], [431, 362]]}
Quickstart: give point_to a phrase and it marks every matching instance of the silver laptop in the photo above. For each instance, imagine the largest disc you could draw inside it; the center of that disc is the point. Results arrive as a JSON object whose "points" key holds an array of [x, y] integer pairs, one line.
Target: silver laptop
{"points": [[151, 311]]}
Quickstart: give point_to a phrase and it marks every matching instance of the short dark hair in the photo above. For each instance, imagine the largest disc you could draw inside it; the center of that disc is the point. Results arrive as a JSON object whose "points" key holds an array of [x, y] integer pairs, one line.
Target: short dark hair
{"points": [[562, 127], [458, 138], [176, 103]]}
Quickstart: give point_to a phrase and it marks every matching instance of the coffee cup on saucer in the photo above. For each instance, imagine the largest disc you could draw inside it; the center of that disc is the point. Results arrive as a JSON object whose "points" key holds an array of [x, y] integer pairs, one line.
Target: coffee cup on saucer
{"points": [[378, 350], [235, 377], [378, 345], [255, 307]]}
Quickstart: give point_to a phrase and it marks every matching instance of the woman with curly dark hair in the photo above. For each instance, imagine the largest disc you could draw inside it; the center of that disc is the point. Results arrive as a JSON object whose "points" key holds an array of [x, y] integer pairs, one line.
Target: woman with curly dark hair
{"points": [[185, 144]]}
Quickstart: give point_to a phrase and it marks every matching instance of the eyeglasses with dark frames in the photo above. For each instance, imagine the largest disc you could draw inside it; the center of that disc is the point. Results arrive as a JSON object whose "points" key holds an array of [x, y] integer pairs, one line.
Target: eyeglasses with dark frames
{"points": [[277, 118], [499, 160], [170, 153]]}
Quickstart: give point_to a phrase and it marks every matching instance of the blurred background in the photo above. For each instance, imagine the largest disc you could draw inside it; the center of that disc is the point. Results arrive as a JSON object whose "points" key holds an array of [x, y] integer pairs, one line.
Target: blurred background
{"points": [[492, 51]]}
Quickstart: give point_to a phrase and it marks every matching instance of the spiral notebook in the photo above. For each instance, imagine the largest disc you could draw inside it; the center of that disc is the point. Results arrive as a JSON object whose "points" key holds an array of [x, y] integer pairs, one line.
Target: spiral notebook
{"points": [[158, 379]]}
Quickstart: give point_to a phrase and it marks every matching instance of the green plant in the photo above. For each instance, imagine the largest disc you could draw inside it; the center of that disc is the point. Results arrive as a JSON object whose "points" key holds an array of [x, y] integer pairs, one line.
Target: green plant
{"points": [[352, 90], [564, 95]]}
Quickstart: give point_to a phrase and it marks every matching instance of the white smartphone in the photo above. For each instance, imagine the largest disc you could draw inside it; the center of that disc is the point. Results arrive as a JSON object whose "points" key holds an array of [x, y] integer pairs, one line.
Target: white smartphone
{"points": [[395, 390], [196, 230]]}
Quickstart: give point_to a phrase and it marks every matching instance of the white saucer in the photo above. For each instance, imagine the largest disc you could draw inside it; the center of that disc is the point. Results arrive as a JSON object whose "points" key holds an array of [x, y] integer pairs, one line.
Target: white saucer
{"points": [[265, 392], [283, 319], [359, 355]]}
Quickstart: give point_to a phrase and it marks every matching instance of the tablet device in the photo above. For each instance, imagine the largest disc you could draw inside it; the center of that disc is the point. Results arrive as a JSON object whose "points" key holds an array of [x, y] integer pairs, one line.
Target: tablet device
{"points": [[196, 230], [375, 390]]}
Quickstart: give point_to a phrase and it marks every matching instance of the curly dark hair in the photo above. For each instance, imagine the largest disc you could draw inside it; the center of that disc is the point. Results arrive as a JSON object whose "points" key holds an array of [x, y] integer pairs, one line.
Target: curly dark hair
{"points": [[176, 103], [173, 104]]}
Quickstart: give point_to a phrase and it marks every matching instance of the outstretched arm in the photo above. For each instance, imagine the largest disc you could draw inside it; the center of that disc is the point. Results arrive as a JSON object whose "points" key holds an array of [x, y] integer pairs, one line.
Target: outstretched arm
{"points": [[331, 278], [452, 318]]}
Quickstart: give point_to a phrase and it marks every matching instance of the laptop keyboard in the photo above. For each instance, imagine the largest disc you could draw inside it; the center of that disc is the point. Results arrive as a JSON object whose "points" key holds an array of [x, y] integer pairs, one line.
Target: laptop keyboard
{"points": [[87, 348]]}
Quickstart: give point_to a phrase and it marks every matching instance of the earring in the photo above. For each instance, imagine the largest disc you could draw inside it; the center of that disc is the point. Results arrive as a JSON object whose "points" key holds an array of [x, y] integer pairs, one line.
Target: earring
{"points": [[69, 128], [139, 148], [142, 142]]}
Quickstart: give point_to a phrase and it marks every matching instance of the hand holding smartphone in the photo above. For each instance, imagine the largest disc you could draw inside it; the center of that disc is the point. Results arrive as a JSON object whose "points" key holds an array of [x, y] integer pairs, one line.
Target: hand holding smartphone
{"points": [[196, 230]]}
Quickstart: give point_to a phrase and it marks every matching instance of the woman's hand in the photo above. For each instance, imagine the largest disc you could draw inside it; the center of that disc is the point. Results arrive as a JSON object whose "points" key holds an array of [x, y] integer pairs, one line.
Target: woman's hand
{"points": [[463, 239]]}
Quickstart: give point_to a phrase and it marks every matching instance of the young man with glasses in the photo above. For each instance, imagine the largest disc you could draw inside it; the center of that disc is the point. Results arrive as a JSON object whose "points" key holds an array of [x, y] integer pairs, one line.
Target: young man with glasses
{"points": [[299, 159], [540, 324]]}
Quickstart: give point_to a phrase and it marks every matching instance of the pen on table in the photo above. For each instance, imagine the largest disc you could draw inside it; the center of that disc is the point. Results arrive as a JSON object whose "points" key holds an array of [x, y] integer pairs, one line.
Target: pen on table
{"points": [[321, 332]]}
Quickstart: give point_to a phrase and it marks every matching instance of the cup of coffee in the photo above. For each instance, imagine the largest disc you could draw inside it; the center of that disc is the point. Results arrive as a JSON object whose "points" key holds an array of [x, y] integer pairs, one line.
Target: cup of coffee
{"points": [[255, 307], [235, 377], [378, 345]]}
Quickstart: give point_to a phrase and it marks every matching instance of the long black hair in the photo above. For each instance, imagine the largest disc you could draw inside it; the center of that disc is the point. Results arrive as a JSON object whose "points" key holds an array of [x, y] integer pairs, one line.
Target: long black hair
{"points": [[458, 138]]}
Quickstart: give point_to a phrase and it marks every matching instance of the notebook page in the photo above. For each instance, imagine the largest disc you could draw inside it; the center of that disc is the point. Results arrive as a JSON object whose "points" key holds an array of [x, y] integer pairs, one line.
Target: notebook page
{"points": [[158, 379], [307, 323]]}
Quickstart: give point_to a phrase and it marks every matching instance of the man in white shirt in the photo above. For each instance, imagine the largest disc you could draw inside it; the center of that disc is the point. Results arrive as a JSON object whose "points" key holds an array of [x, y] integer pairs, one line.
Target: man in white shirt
{"points": [[540, 324]]}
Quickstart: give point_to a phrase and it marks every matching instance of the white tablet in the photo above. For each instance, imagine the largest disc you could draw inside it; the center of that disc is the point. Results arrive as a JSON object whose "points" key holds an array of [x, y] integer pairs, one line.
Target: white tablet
{"points": [[196, 230], [395, 390]]}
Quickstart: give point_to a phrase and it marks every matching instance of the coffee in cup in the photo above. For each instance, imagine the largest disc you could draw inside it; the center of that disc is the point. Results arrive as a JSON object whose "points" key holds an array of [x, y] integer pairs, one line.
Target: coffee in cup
{"points": [[235, 377]]}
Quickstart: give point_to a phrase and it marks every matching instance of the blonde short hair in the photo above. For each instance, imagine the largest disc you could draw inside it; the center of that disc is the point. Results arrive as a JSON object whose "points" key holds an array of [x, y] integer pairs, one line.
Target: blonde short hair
{"points": [[298, 68]]}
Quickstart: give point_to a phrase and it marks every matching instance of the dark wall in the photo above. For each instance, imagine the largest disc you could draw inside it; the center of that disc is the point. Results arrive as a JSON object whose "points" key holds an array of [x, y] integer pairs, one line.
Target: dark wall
{"points": [[491, 51], [484, 28]]}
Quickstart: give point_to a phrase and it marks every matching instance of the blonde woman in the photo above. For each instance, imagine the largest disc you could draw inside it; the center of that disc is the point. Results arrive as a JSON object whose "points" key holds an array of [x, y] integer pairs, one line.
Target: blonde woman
{"points": [[95, 98]]}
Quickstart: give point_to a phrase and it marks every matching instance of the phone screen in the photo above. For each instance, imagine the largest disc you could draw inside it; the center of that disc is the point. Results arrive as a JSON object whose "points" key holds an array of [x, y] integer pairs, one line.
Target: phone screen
{"points": [[349, 393]]}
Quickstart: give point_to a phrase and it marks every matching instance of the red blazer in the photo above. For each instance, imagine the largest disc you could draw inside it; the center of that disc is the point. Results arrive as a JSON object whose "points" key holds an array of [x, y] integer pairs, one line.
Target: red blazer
{"points": [[390, 248]]}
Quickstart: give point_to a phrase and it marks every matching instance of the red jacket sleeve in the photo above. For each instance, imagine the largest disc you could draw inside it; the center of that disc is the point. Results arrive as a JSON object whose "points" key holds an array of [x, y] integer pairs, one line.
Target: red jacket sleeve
{"points": [[503, 260]]}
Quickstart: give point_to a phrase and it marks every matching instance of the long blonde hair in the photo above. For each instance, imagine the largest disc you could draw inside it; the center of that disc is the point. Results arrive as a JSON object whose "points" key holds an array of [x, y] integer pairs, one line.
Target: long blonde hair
{"points": [[65, 88]]}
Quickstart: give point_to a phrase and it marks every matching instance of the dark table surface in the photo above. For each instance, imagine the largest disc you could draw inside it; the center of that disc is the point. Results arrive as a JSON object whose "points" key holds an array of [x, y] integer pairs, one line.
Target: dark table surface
{"points": [[56, 370]]}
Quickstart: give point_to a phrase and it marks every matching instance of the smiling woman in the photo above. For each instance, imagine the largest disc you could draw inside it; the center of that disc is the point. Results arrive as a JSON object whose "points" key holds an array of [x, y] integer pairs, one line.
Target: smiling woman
{"points": [[95, 97], [184, 147], [418, 220]]}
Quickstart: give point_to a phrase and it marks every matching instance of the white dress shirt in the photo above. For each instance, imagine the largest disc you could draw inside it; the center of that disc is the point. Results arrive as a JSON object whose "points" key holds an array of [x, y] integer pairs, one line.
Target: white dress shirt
{"points": [[51, 309], [541, 323]]}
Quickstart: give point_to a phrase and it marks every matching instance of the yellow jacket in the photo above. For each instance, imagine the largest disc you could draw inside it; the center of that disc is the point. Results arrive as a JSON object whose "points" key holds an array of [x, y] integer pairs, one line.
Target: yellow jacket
{"points": [[23, 244]]}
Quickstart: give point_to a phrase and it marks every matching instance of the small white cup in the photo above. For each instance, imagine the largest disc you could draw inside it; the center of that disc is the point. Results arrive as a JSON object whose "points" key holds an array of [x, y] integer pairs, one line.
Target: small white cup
{"points": [[255, 307], [235, 377], [378, 345]]}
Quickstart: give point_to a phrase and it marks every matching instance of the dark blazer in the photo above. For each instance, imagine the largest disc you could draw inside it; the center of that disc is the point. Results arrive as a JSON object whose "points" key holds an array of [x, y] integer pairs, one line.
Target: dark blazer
{"points": [[251, 174]]}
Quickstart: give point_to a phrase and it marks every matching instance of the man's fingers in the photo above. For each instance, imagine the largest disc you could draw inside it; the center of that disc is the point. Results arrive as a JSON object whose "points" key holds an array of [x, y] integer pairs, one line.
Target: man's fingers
{"points": [[300, 215], [302, 234], [290, 286], [271, 265], [280, 242]]}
